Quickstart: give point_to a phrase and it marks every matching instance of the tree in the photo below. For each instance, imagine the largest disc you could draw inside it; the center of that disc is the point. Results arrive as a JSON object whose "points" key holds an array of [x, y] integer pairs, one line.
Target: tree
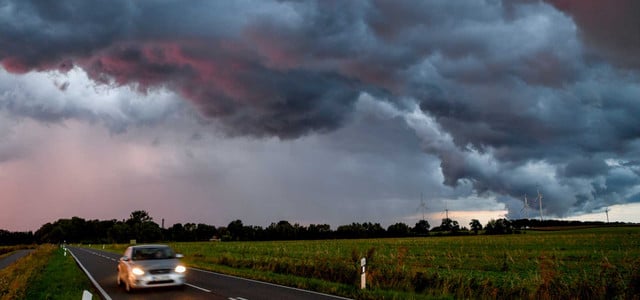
{"points": [[177, 233], [500, 226], [120, 233], [319, 231], [235, 229], [421, 228], [142, 228], [449, 225], [398, 230], [15, 238], [475, 226], [205, 232], [283, 230], [374, 230], [354, 230], [149, 232], [139, 217]]}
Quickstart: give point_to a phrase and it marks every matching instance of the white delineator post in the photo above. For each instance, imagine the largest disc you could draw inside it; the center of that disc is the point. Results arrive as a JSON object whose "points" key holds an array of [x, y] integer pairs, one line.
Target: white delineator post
{"points": [[363, 273], [86, 295]]}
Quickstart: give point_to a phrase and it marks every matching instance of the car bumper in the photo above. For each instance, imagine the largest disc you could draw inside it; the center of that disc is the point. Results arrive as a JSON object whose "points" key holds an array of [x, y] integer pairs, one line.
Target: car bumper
{"points": [[149, 281]]}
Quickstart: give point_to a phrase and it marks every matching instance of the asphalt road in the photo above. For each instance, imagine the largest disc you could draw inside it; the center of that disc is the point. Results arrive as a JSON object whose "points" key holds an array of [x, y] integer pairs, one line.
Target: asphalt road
{"points": [[13, 257], [201, 284]]}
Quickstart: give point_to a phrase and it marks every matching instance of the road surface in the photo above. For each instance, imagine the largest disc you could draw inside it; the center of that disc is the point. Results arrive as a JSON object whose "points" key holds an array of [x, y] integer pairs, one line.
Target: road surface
{"points": [[5, 262], [201, 284]]}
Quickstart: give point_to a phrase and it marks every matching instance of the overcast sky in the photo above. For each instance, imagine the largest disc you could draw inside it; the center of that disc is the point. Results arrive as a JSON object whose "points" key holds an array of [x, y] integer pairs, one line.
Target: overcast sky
{"points": [[318, 111]]}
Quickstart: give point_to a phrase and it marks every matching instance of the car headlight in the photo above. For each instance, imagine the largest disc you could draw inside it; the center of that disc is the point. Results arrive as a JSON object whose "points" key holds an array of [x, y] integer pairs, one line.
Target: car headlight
{"points": [[137, 271], [180, 269]]}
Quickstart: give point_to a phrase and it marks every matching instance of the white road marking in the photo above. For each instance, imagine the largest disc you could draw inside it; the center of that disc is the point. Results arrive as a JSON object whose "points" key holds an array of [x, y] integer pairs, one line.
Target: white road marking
{"points": [[95, 283], [100, 254], [272, 284], [197, 287], [237, 298]]}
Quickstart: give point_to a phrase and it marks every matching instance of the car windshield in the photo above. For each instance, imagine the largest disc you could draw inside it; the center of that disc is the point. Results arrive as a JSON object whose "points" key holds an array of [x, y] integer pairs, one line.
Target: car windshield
{"points": [[152, 253]]}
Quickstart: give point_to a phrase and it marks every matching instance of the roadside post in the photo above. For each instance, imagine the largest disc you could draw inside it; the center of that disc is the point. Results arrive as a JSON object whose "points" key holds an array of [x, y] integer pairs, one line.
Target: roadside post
{"points": [[363, 273]]}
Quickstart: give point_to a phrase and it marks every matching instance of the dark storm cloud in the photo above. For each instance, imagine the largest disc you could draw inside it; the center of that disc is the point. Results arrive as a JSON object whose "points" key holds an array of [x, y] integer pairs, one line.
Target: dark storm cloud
{"points": [[198, 51], [585, 167], [48, 35], [612, 28], [284, 68], [528, 91]]}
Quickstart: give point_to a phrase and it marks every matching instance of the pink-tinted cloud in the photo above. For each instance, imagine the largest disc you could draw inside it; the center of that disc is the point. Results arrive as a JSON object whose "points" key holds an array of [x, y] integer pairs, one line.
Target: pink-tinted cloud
{"points": [[513, 82], [227, 80]]}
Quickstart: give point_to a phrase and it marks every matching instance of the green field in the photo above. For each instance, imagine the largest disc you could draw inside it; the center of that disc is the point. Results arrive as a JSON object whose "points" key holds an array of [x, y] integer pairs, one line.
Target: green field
{"points": [[580, 263]]}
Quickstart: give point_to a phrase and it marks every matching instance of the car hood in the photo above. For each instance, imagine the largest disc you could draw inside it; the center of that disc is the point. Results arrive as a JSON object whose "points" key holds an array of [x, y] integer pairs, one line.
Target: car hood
{"points": [[152, 264]]}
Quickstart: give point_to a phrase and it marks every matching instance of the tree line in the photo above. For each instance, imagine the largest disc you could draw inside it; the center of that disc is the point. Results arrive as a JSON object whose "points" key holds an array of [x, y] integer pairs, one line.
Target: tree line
{"points": [[141, 227]]}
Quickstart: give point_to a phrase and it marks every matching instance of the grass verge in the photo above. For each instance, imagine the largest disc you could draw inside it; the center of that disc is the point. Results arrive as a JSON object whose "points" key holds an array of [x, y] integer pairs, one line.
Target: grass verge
{"points": [[15, 278], [43, 274], [60, 279]]}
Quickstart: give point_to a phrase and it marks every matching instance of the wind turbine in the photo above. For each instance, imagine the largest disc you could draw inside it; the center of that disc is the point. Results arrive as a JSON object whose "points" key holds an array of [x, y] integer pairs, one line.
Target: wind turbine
{"points": [[446, 209], [525, 207], [422, 207], [506, 214], [540, 202], [606, 211]]}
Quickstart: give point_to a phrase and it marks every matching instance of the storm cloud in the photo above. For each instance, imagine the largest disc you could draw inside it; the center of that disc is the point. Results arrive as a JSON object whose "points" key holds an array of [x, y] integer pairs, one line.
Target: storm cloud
{"points": [[509, 96], [612, 28]]}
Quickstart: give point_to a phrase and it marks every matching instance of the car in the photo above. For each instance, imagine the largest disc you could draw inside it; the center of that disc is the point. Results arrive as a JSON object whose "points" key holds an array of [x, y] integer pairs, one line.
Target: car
{"points": [[147, 266]]}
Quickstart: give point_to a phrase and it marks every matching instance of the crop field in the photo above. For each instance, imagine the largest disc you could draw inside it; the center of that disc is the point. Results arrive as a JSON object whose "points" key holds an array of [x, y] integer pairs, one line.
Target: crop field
{"points": [[581, 263]]}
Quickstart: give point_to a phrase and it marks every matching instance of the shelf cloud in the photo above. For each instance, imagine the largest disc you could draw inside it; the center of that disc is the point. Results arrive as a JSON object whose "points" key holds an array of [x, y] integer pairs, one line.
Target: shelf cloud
{"points": [[505, 95]]}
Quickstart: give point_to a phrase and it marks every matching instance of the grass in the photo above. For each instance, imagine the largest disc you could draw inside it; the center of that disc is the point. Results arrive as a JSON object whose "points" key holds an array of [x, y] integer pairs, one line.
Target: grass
{"points": [[8, 250], [59, 279], [43, 274], [584, 263], [14, 279]]}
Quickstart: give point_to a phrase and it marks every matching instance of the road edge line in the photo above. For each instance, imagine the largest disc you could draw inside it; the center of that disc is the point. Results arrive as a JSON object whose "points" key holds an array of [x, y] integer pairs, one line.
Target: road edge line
{"points": [[272, 284], [93, 281]]}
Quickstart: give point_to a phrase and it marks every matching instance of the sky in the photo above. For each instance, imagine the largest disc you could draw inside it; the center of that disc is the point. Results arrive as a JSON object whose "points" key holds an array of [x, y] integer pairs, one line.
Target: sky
{"points": [[318, 112]]}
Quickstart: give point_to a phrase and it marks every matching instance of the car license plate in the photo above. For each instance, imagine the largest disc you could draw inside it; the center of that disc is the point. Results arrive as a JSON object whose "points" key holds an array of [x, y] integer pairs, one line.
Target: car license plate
{"points": [[160, 278]]}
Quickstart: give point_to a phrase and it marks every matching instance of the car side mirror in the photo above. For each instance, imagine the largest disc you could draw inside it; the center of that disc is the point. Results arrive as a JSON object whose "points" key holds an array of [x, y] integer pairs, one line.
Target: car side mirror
{"points": [[178, 255], [124, 258]]}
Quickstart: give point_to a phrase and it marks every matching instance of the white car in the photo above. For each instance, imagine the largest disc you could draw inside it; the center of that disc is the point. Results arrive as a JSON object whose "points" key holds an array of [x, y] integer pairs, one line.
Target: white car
{"points": [[147, 266]]}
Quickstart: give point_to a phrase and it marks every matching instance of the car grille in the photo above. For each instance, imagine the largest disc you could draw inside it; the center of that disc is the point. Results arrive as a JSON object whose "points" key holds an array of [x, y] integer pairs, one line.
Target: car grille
{"points": [[160, 271], [160, 282]]}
